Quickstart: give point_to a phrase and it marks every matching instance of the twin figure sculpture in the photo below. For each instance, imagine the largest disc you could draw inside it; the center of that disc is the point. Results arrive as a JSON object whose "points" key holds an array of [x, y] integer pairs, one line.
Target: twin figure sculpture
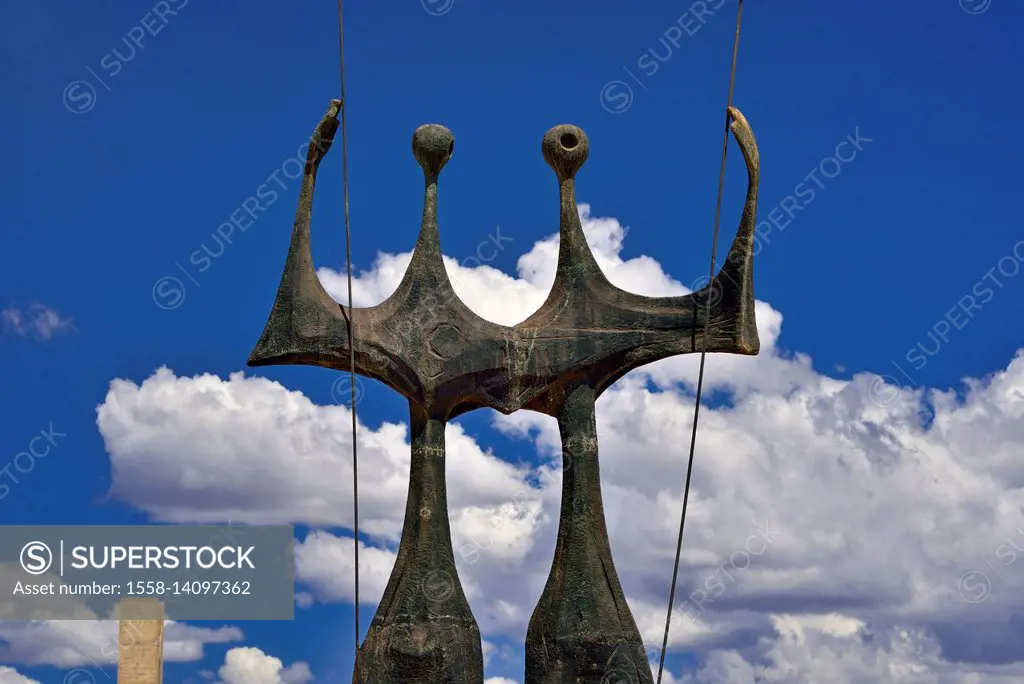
{"points": [[446, 360]]}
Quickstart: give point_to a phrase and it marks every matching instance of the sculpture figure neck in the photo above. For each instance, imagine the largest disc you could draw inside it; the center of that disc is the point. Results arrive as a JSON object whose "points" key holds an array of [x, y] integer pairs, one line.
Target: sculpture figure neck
{"points": [[429, 242], [574, 256]]}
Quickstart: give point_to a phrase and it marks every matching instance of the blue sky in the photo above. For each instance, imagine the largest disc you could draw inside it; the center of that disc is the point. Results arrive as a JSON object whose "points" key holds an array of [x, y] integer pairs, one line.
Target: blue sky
{"points": [[122, 166]]}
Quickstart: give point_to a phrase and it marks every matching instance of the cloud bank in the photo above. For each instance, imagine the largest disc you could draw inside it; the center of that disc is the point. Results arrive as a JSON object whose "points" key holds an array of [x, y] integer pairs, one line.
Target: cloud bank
{"points": [[839, 530]]}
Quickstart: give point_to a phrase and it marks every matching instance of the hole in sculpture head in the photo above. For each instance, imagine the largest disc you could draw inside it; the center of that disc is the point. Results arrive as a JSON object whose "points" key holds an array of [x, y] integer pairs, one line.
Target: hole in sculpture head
{"points": [[569, 141], [451, 148]]}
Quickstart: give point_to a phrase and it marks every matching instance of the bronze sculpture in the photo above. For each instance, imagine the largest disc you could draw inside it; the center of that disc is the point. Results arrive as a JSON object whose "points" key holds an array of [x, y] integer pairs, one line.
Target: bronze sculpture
{"points": [[426, 344]]}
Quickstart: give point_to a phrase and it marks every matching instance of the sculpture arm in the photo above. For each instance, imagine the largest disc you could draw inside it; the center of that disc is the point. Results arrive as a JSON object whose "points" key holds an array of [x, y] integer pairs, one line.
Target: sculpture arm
{"points": [[676, 325], [732, 328], [590, 331], [306, 326], [733, 287]]}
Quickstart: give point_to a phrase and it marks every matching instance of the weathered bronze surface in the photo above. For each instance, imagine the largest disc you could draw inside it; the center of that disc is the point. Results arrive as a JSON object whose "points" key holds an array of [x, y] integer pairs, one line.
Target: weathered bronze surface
{"points": [[426, 344]]}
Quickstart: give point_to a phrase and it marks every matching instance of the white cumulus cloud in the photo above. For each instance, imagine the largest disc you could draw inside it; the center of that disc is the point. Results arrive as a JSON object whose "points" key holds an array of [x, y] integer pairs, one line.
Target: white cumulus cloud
{"points": [[248, 665], [8, 675], [838, 530]]}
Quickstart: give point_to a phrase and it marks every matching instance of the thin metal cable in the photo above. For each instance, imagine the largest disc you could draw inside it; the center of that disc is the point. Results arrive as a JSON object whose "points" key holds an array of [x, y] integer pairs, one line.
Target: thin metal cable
{"points": [[348, 319], [703, 354]]}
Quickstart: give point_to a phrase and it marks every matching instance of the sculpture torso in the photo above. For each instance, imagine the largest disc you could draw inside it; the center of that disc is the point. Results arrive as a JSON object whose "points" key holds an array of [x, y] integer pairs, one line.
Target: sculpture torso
{"points": [[424, 342]]}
